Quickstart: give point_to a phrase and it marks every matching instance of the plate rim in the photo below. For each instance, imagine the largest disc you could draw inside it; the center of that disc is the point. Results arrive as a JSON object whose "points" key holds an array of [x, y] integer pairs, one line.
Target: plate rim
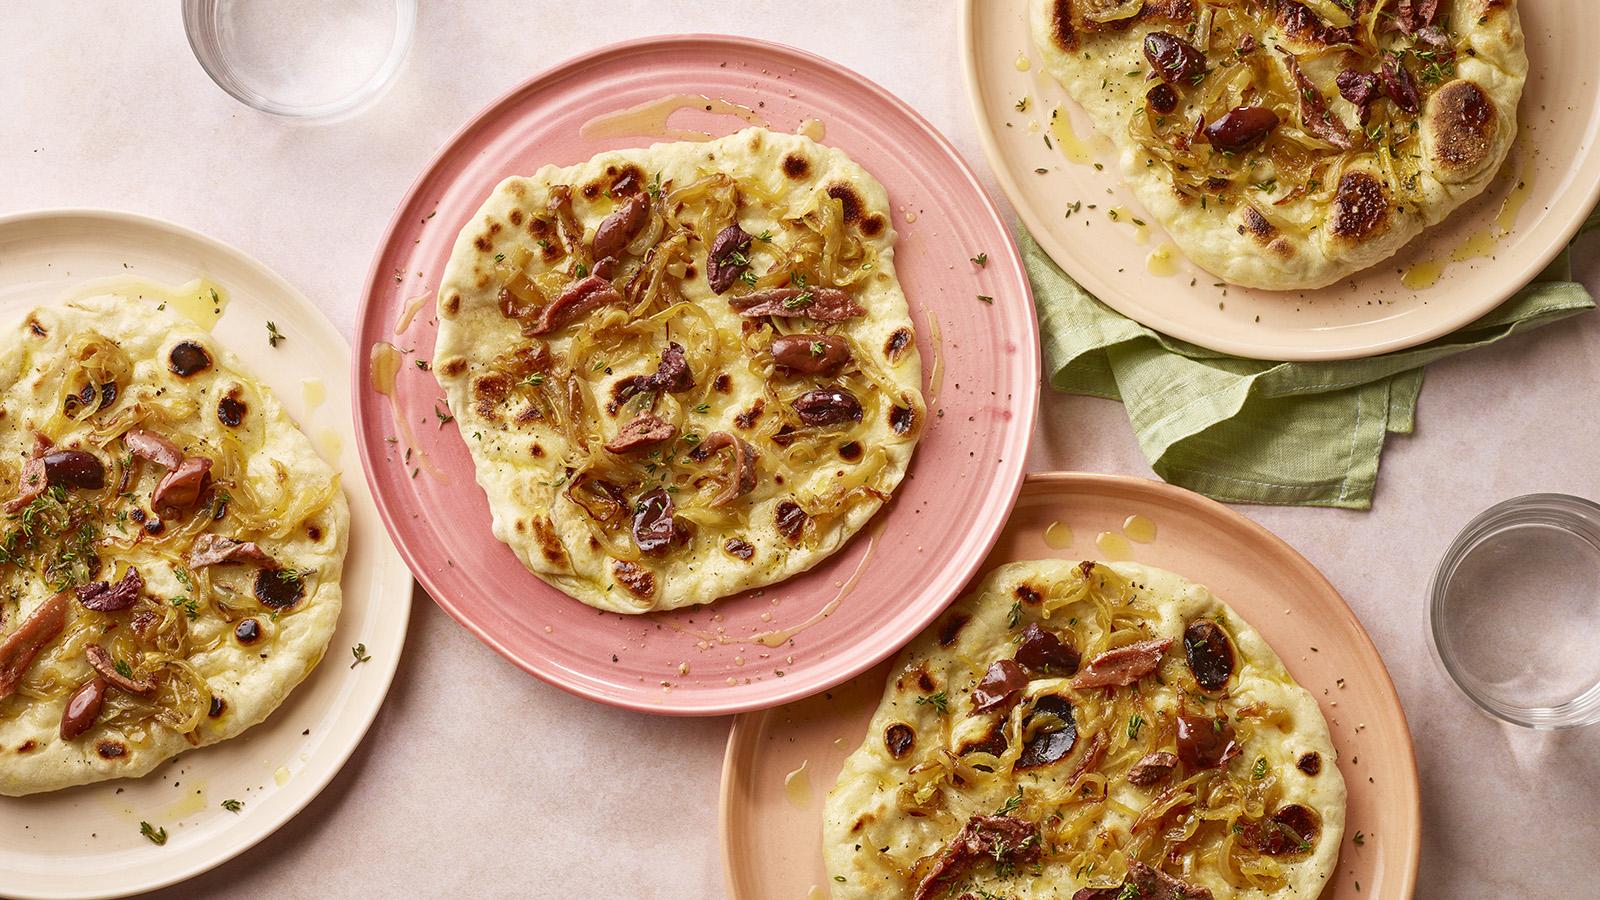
{"points": [[1106, 291], [1033, 387], [386, 671], [744, 726]]}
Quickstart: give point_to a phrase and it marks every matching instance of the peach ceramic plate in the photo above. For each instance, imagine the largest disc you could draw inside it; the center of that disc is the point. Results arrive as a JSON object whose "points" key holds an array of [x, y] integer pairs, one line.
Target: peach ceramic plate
{"points": [[761, 648], [782, 762], [85, 841], [1444, 279]]}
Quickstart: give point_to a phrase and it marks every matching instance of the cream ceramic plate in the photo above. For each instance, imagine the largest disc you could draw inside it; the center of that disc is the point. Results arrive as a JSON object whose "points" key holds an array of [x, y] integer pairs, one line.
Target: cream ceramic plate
{"points": [[1442, 280], [85, 841], [782, 762]]}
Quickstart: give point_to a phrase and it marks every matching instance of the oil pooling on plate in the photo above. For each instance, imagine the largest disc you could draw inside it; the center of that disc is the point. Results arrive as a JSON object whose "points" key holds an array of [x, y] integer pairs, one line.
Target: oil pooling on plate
{"points": [[1113, 545], [1484, 242], [1139, 529], [1067, 140], [313, 392], [936, 368], [781, 636], [330, 444], [1162, 261], [200, 300], [1426, 273], [797, 786], [384, 362], [1057, 536], [1123, 216], [409, 311], [650, 118], [385, 366]]}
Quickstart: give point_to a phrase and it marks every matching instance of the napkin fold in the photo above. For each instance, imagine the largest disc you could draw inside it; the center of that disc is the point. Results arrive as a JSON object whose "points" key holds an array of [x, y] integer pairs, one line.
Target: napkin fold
{"points": [[1252, 431]]}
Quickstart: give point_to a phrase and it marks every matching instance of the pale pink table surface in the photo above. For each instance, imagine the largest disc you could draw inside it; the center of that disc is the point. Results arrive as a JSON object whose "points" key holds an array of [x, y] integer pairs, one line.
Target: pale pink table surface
{"points": [[477, 779]]}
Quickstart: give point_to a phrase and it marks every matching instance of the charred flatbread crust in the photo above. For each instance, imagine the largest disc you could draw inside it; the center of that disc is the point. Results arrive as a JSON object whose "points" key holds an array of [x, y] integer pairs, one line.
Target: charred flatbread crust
{"points": [[237, 592], [990, 738], [1349, 175], [720, 405]]}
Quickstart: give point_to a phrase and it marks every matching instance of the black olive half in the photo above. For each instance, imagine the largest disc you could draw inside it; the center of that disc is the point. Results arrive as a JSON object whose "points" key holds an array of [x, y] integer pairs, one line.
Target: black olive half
{"points": [[188, 358]]}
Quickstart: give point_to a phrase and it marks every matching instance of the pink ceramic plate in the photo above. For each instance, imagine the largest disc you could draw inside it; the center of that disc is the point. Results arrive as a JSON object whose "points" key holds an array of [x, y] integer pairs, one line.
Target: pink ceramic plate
{"points": [[1448, 276], [772, 818], [981, 362]]}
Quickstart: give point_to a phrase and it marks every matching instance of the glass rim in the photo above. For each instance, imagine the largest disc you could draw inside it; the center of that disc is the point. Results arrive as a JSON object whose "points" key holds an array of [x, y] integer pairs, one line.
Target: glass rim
{"points": [[198, 19], [1577, 516]]}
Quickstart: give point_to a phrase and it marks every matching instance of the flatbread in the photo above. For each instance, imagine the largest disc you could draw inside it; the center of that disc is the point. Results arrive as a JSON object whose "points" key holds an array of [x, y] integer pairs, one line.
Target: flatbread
{"points": [[86, 375], [1338, 185], [544, 393], [1033, 795]]}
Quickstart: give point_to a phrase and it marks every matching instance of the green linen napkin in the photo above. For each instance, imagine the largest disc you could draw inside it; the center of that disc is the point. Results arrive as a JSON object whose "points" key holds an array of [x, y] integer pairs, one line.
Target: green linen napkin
{"points": [[1249, 431]]}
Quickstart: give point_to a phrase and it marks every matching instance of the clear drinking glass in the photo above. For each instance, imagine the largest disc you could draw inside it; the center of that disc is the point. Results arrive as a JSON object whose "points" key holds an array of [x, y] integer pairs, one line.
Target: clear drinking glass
{"points": [[1515, 611], [301, 58]]}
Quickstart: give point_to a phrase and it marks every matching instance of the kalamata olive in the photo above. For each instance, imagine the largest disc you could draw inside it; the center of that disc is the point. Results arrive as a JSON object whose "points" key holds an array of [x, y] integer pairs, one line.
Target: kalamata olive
{"points": [[1209, 652], [83, 708], [218, 706], [247, 631], [619, 228], [1175, 60], [108, 394], [1152, 768], [828, 406], [1290, 830], [728, 257], [187, 358], [1044, 653], [998, 686], [230, 412], [790, 519], [180, 489], [899, 738], [1051, 746], [1241, 128], [75, 469], [1162, 98], [1412, 16], [1360, 88], [811, 354], [102, 596], [655, 529], [1204, 742], [1399, 85], [644, 430], [279, 588], [1047, 748]]}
